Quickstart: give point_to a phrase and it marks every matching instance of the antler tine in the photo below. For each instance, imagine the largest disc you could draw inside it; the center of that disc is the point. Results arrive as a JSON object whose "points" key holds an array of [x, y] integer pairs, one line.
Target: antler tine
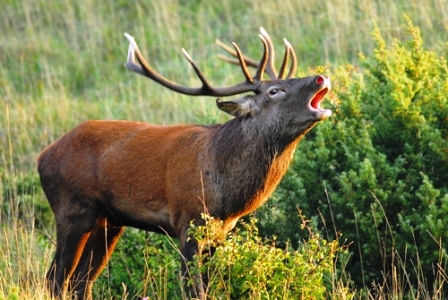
{"points": [[269, 68], [270, 63], [130, 61], [281, 73], [242, 63], [205, 90], [264, 60], [249, 62], [293, 67], [201, 76]]}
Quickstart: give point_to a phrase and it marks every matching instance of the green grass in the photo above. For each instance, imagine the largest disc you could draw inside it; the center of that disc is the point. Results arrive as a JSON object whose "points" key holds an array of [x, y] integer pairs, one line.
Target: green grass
{"points": [[24, 255], [61, 62]]}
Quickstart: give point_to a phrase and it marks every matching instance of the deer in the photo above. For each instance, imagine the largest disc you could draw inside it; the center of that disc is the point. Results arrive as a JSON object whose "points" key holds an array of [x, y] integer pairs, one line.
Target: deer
{"points": [[105, 175]]}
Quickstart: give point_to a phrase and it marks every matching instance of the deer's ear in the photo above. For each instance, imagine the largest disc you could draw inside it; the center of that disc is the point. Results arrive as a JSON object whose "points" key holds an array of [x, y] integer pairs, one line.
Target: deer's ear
{"points": [[236, 108]]}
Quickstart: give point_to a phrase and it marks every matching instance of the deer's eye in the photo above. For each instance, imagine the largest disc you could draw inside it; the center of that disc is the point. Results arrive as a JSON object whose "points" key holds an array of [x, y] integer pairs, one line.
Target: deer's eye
{"points": [[276, 93], [273, 92]]}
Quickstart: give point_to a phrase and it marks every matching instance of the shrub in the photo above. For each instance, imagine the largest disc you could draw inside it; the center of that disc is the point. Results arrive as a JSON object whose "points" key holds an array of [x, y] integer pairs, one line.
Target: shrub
{"points": [[377, 170], [143, 264], [245, 266]]}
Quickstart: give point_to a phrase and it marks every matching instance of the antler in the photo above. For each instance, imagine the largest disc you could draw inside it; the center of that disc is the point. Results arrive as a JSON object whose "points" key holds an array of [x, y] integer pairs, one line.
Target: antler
{"points": [[270, 68], [251, 83]]}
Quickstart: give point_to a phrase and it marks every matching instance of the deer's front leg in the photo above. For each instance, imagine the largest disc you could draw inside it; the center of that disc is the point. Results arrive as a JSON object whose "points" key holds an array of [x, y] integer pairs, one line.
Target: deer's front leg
{"points": [[193, 279]]}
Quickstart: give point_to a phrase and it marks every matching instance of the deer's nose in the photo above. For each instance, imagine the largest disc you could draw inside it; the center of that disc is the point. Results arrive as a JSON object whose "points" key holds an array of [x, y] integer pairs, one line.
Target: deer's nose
{"points": [[320, 79], [323, 80]]}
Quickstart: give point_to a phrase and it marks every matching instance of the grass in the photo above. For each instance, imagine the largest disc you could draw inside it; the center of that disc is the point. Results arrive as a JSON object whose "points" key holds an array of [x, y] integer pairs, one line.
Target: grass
{"points": [[62, 65], [24, 256], [61, 62]]}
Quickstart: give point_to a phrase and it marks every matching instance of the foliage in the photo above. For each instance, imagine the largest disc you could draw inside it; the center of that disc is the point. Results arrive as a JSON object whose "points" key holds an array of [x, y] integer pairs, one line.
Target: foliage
{"points": [[243, 266], [377, 171], [13, 294], [374, 172], [143, 264]]}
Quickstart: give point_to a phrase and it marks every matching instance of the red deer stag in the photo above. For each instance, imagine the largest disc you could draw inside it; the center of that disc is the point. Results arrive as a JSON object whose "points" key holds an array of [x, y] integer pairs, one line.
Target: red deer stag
{"points": [[104, 175]]}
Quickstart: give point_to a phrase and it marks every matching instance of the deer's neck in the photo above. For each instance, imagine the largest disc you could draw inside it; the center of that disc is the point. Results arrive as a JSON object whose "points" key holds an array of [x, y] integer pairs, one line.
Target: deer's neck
{"points": [[249, 165]]}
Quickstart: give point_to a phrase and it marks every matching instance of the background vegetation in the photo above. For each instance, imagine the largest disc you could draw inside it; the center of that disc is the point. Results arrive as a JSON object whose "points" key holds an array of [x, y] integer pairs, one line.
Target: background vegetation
{"points": [[382, 166], [373, 175]]}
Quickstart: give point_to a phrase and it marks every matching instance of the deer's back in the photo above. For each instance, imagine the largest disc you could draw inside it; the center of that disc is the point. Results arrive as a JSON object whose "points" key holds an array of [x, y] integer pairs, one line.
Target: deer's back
{"points": [[139, 171]]}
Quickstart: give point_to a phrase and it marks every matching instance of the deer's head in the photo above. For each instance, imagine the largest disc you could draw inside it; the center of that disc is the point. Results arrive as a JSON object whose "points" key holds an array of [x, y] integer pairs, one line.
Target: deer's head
{"points": [[282, 102]]}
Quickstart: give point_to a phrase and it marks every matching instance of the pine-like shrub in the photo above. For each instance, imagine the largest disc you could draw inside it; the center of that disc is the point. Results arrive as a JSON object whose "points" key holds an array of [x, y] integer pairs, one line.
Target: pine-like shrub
{"points": [[377, 170]]}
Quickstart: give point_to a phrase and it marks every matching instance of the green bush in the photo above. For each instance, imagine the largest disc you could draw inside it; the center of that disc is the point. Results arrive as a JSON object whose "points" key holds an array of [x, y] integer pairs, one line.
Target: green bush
{"points": [[143, 264], [377, 170], [244, 266]]}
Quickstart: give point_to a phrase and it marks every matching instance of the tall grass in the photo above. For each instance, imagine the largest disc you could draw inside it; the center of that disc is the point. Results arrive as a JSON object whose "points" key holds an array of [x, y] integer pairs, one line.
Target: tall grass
{"points": [[24, 255], [61, 62]]}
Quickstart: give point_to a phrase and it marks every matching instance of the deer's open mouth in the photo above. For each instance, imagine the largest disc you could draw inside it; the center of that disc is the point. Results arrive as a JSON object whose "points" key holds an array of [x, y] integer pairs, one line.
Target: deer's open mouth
{"points": [[317, 99], [314, 104]]}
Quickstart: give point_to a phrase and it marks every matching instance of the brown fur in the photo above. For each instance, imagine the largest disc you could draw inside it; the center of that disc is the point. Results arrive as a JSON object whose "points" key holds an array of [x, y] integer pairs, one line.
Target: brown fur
{"points": [[104, 175]]}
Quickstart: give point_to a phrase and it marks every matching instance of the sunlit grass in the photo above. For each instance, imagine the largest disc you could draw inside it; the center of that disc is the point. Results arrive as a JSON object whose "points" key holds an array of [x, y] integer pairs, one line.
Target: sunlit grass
{"points": [[61, 62], [24, 256]]}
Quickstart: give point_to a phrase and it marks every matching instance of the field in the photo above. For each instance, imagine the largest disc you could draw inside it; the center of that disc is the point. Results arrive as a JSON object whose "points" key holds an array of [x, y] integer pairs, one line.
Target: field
{"points": [[61, 62]]}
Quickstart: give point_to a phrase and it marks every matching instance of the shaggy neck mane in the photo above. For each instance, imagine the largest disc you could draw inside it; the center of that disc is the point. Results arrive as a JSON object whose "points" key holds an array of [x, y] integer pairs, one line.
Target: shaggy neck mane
{"points": [[257, 161]]}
